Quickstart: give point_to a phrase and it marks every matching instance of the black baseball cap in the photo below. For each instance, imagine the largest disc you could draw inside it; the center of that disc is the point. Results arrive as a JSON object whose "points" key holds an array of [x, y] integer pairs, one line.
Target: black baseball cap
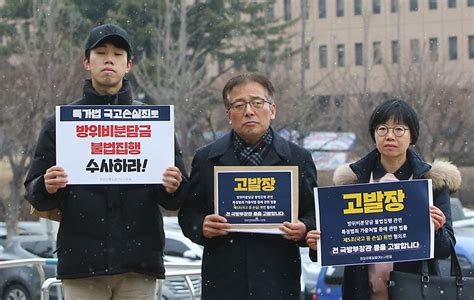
{"points": [[99, 33]]}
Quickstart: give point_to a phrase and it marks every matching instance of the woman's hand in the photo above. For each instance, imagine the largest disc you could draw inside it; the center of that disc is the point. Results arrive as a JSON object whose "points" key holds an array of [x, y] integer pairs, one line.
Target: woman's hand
{"points": [[312, 239], [438, 217]]}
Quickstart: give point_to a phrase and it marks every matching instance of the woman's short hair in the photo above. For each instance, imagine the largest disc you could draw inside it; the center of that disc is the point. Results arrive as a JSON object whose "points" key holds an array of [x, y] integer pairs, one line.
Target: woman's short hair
{"points": [[398, 110], [246, 78]]}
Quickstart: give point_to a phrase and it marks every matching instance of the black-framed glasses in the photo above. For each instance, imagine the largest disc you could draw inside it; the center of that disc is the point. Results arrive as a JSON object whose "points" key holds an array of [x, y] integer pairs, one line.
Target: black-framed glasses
{"points": [[239, 106], [383, 130]]}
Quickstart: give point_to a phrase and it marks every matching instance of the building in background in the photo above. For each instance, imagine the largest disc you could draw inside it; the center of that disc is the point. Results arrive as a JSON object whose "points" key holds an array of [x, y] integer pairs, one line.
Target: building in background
{"points": [[373, 40]]}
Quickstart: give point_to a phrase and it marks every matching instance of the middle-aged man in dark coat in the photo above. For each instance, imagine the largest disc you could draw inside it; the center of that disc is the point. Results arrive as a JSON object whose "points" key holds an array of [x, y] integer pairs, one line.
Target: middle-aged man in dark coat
{"points": [[111, 237], [248, 265]]}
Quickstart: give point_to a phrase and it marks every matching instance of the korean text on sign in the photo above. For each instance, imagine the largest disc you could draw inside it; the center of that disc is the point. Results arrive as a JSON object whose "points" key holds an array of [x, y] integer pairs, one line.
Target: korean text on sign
{"points": [[256, 184], [374, 202], [115, 113], [115, 131]]}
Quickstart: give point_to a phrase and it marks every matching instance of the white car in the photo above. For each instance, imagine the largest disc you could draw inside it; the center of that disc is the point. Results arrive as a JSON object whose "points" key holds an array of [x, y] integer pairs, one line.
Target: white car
{"points": [[179, 250]]}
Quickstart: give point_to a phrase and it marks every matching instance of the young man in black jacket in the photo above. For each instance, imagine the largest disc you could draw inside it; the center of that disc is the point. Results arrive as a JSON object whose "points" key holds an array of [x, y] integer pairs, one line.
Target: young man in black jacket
{"points": [[111, 238]]}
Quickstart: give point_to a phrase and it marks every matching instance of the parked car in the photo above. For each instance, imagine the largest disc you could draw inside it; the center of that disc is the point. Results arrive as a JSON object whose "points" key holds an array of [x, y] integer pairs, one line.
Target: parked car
{"points": [[461, 216], [465, 251], [24, 282], [328, 285], [24, 228], [179, 249]]}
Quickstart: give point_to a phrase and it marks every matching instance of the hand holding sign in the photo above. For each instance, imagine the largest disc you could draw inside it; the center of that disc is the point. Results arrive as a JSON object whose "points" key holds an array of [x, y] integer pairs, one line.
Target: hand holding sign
{"points": [[172, 179], [55, 178], [293, 231], [437, 216], [312, 239], [214, 225]]}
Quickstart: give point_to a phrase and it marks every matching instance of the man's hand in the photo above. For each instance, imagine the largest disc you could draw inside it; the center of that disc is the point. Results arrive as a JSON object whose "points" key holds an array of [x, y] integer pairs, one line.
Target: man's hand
{"points": [[172, 179], [214, 225], [294, 231], [312, 239], [55, 178]]}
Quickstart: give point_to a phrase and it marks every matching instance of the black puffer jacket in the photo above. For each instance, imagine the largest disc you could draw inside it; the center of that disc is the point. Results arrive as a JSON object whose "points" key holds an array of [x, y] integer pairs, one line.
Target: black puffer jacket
{"points": [[104, 229]]}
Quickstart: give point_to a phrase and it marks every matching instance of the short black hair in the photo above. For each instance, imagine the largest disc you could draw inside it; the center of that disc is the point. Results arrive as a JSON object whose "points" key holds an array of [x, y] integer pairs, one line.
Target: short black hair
{"points": [[398, 110], [247, 78], [114, 40]]}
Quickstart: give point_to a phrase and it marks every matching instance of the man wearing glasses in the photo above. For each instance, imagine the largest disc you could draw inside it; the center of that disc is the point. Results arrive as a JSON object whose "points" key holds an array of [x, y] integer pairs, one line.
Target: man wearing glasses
{"points": [[248, 265]]}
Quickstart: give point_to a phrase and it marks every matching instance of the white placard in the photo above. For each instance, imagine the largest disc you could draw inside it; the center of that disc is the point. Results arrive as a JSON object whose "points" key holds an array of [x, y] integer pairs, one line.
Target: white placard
{"points": [[115, 144]]}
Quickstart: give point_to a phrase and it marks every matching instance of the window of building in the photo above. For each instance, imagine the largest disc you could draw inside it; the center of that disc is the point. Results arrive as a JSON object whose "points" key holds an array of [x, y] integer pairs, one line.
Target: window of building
{"points": [[395, 52], [413, 5], [305, 9], [377, 47], [415, 50], [324, 103], [287, 10], [451, 3], [434, 45], [394, 6], [376, 7], [340, 55], [323, 56], [322, 9], [340, 8], [358, 51], [270, 6], [453, 47], [433, 4], [357, 7], [306, 61], [470, 46], [470, 2]]}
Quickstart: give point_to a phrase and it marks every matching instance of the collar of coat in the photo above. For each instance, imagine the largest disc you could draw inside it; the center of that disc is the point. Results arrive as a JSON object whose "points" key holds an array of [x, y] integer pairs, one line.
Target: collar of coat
{"points": [[442, 173], [91, 97], [224, 144]]}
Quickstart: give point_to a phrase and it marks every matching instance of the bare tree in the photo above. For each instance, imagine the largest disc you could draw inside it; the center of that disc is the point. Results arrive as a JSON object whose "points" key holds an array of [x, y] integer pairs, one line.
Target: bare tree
{"points": [[44, 71], [441, 96], [174, 77]]}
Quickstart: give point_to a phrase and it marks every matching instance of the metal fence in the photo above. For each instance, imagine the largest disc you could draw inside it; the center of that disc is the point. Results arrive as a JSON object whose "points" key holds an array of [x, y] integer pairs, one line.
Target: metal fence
{"points": [[184, 270]]}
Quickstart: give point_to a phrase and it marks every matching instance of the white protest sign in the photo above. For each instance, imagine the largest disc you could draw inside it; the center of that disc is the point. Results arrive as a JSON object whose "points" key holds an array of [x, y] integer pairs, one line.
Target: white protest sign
{"points": [[115, 144]]}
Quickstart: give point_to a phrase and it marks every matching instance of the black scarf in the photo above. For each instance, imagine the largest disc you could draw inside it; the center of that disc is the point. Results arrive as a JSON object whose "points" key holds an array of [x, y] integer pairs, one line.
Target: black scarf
{"points": [[252, 155]]}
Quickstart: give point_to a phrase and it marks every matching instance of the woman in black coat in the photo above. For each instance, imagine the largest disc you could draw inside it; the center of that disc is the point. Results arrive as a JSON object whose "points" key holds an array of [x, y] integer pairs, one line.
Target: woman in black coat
{"points": [[394, 127]]}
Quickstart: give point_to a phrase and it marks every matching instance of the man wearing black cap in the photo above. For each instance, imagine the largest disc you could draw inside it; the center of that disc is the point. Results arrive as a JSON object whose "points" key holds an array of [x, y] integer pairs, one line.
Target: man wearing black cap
{"points": [[111, 239]]}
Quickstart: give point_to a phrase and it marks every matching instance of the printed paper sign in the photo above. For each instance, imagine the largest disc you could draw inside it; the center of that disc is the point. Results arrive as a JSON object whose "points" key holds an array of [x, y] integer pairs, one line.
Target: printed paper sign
{"points": [[372, 223], [115, 144], [256, 199]]}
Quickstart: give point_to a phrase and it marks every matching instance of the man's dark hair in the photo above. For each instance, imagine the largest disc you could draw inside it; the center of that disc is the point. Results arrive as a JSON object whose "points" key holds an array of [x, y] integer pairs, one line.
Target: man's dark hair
{"points": [[398, 110], [246, 78]]}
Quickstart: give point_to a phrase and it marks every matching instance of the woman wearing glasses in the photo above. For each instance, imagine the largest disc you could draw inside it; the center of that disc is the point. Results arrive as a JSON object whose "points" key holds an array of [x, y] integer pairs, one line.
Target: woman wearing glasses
{"points": [[393, 127]]}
